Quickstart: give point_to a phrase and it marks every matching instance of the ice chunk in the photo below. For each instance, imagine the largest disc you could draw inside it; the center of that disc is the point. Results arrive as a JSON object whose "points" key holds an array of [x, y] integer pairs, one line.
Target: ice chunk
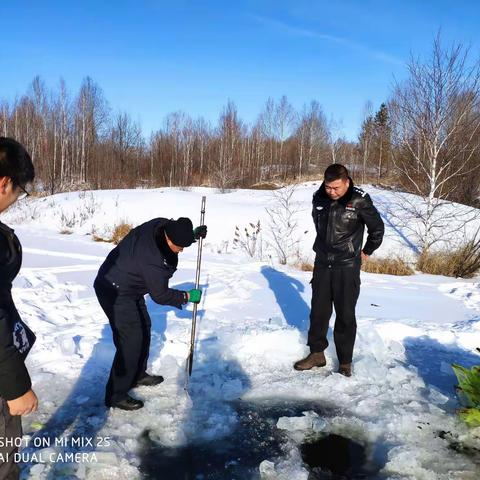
{"points": [[67, 346], [437, 397], [405, 462], [286, 470], [398, 374], [277, 321], [267, 470], [374, 344], [397, 349], [368, 367], [309, 421], [37, 470]]}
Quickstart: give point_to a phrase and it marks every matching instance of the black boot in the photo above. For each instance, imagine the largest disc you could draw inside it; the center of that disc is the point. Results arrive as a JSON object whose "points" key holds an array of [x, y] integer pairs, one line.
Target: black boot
{"points": [[345, 369], [127, 403], [149, 380]]}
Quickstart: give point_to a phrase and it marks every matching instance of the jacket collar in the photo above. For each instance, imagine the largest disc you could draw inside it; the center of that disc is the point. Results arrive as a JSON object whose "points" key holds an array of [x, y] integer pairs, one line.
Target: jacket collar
{"points": [[170, 256], [6, 229], [321, 194]]}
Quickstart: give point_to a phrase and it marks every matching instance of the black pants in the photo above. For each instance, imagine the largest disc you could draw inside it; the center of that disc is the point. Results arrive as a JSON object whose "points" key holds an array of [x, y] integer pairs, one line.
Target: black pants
{"points": [[131, 325], [10, 430], [337, 287]]}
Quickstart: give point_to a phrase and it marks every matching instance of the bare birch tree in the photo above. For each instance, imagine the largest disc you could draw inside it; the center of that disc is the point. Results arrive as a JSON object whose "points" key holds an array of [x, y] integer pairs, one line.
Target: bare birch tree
{"points": [[435, 118]]}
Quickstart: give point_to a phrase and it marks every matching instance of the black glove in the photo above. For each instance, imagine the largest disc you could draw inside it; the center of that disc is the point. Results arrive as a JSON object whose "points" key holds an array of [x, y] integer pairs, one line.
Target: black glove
{"points": [[200, 232]]}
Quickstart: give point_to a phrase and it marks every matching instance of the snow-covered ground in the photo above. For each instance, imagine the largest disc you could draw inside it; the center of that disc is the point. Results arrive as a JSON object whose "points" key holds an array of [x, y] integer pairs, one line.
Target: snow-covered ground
{"points": [[99, 211], [399, 405]]}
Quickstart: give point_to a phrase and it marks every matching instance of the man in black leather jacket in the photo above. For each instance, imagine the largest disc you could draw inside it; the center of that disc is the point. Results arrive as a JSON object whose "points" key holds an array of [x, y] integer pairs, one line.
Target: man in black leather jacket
{"points": [[16, 395], [340, 213], [143, 262]]}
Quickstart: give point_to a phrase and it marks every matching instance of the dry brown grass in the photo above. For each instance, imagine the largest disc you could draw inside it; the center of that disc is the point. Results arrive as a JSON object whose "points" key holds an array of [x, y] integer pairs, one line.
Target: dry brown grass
{"points": [[436, 263], [119, 232], [66, 231], [265, 186], [463, 262], [98, 238], [304, 266], [389, 266]]}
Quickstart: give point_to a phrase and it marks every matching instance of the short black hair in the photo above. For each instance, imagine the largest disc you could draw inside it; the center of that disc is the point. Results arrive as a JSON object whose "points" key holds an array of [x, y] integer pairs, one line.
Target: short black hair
{"points": [[15, 162], [335, 172]]}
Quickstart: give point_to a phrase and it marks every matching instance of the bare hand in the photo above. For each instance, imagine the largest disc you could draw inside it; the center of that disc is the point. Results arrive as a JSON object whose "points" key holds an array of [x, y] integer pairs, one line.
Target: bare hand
{"points": [[23, 405], [365, 257]]}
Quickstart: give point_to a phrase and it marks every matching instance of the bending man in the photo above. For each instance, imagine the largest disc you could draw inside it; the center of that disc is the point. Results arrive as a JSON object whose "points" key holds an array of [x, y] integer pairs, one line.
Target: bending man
{"points": [[143, 262]]}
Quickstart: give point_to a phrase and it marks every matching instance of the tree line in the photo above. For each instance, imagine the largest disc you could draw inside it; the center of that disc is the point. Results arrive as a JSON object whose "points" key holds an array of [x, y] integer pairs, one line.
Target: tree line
{"points": [[424, 138], [77, 141]]}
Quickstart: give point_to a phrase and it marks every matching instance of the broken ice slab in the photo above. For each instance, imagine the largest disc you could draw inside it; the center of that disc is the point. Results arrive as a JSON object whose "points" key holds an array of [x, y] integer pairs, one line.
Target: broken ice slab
{"points": [[309, 421]]}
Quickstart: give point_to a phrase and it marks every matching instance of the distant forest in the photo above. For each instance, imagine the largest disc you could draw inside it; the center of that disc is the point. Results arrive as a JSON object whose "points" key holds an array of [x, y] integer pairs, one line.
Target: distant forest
{"points": [[424, 138]]}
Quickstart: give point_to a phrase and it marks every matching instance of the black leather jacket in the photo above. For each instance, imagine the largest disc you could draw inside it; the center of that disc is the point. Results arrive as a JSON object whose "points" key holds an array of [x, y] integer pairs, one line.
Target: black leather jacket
{"points": [[340, 225], [14, 378]]}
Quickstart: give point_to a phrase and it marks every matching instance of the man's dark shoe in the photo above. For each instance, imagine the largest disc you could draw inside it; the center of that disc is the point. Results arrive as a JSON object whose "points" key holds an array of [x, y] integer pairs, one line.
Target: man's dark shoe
{"points": [[345, 369], [127, 403], [149, 380], [316, 359]]}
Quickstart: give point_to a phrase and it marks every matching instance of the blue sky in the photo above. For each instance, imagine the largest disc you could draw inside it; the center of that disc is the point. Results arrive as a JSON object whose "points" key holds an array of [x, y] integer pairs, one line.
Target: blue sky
{"points": [[153, 57]]}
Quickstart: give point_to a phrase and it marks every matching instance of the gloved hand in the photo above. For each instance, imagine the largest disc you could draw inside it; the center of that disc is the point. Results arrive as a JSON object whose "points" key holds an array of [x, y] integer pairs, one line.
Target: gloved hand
{"points": [[194, 295], [200, 232]]}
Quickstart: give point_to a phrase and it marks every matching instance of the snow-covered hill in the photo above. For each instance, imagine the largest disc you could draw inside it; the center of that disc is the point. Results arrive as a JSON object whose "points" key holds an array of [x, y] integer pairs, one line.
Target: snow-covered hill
{"points": [[97, 212], [244, 410]]}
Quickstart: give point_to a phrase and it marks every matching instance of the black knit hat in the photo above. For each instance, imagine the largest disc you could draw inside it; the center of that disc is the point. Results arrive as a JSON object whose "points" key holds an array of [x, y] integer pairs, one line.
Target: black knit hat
{"points": [[180, 231]]}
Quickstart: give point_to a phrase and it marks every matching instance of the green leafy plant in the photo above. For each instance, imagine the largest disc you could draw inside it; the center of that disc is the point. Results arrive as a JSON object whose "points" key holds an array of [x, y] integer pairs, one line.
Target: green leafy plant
{"points": [[468, 389]]}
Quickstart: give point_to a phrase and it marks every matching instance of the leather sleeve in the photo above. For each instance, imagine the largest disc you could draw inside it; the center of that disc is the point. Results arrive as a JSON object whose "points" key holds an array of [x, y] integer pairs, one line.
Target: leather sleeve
{"points": [[374, 223], [14, 378]]}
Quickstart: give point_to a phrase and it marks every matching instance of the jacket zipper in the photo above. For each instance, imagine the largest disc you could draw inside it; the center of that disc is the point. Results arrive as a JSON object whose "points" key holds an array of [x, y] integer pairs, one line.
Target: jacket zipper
{"points": [[331, 213], [350, 247]]}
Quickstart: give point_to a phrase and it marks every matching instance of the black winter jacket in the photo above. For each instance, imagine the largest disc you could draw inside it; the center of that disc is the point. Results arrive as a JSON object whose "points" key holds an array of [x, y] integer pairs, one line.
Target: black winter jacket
{"points": [[14, 378], [142, 263], [340, 225]]}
